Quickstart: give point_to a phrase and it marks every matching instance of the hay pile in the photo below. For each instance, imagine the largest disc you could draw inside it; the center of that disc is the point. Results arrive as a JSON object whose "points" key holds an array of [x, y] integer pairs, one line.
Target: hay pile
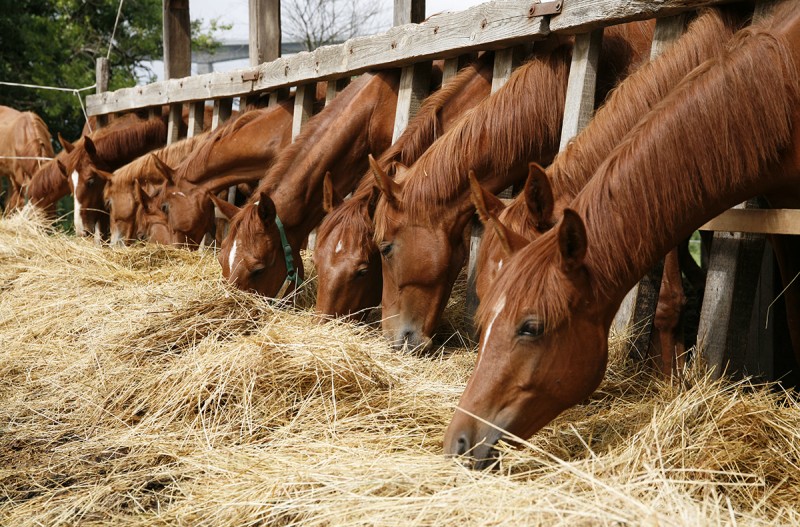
{"points": [[137, 389]]}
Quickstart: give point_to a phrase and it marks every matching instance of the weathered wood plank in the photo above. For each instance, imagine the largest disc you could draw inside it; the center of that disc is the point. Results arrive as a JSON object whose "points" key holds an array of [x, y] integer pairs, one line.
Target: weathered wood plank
{"points": [[303, 107], [756, 221], [265, 31], [502, 68], [668, 30], [101, 81], [222, 112], [197, 112], [414, 87], [579, 104], [177, 40], [174, 123], [449, 70]]}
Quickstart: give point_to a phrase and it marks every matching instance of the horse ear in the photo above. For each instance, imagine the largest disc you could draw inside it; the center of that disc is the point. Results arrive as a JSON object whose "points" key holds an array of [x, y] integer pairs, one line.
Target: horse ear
{"points": [[66, 145], [330, 199], [539, 197], [229, 210], [572, 241], [89, 146], [510, 241], [61, 168], [266, 208], [107, 176], [486, 203], [139, 194], [387, 186], [166, 170]]}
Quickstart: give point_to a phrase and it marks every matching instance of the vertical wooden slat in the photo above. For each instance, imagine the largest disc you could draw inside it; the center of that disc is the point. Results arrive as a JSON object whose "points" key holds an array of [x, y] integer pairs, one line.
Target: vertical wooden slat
{"points": [[101, 79], [334, 88], [277, 96], [579, 105], [174, 123], [222, 112], [303, 107], [450, 69], [414, 87], [197, 112], [636, 314]]}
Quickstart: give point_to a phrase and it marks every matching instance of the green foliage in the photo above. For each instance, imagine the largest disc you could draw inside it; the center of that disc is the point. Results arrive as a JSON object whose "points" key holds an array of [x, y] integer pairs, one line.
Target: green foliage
{"points": [[57, 42]]}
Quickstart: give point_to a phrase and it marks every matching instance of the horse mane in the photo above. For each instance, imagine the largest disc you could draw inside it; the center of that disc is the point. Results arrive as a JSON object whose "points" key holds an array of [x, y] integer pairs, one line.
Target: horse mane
{"points": [[47, 180], [171, 155], [120, 142], [418, 136], [691, 132], [491, 127], [199, 158], [705, 37]]}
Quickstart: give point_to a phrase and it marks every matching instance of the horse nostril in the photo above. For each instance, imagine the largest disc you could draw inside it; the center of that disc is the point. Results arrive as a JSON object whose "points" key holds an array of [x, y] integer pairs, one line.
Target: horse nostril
{"points": [[408, 336], [462, 445]]}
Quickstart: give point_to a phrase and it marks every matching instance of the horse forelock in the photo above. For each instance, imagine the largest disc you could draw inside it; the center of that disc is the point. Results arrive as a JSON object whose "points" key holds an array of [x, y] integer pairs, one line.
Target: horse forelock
{"points": [[351, 219]]}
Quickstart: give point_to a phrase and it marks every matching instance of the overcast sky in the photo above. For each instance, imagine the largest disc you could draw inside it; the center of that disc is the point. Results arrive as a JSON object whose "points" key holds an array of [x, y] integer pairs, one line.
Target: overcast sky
{"points": [[235, 12]]}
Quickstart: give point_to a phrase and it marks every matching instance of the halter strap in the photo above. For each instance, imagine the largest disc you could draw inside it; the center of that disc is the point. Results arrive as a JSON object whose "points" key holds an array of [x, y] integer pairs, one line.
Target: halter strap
{"points": [[291, 271]]}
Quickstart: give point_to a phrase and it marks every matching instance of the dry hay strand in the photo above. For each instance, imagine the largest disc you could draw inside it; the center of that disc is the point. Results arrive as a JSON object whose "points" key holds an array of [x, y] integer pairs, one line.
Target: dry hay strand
{"points": [[137, 388]]}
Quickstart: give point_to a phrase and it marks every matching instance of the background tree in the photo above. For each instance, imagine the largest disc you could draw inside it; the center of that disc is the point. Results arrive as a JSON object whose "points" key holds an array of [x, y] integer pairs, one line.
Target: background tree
{"points": [[319, 22]]}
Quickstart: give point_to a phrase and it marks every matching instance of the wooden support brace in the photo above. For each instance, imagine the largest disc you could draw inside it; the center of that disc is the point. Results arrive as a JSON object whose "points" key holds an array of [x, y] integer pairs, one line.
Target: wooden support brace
{"points": [[637, 311], [303, 107], [197, 112], [731, 281], [414, 87]]}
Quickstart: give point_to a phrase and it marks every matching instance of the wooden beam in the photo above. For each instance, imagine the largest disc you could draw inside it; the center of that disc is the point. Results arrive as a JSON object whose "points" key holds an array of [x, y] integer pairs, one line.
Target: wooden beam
{"points": [[197, 111], [223, 108], [334, 88], [579, 104], [756, 221], [101, 80], [177, 39], [174, 122], [492, 25], [414, 87], [265, 31], [303, 107]]}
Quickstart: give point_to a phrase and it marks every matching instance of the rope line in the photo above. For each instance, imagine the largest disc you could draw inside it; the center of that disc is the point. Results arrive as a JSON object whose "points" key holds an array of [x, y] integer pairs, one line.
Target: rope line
{"points": [[114, 31], [35, 158], [41, 87]]}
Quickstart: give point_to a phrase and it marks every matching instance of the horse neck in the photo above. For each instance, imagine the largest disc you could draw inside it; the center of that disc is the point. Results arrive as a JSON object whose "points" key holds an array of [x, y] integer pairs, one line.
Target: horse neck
{"points": [[119, 147], [678, 168], [339, 142], [246, 149], [705, 37]]}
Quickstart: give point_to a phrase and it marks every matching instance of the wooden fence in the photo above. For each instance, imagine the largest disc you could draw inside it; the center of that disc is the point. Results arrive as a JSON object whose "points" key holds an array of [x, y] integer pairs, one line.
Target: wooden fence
{"points": [[411, 44]]}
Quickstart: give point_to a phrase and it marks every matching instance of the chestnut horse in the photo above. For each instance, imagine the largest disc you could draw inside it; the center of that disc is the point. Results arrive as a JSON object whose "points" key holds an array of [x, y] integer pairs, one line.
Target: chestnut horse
{"points": [[108, 151], [24, 143], [238, 152], [421, 219], [536, 209], [265, 237], [346, 258], [707, 146], [119, 192]]}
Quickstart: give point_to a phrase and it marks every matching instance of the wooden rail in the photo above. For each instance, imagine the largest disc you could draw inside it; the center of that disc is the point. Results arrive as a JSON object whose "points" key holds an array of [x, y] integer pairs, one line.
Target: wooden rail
{"points": [[493, 25]]}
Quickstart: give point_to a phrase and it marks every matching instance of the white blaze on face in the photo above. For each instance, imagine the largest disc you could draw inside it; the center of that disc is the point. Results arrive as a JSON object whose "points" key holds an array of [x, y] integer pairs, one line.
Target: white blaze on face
{"points": [[78, 218], [338, 247], [232, 257], [498, 307]]}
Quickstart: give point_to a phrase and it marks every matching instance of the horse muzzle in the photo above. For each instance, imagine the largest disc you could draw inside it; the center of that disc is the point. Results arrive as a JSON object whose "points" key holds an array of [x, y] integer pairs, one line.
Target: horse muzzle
{"points": [[472, 447]]}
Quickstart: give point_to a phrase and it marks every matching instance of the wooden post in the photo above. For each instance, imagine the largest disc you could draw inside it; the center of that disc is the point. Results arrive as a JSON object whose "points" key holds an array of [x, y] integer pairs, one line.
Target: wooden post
{"points": [[265, 31], [408, 12], [101, 79], [579, 105], [303, 107], [414, 80], [177, 54], [637, 310], [197, 112]]}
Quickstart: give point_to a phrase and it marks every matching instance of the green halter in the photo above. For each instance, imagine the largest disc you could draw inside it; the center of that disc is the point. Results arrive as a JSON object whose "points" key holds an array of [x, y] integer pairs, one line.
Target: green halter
{"points": [[291, 271]]}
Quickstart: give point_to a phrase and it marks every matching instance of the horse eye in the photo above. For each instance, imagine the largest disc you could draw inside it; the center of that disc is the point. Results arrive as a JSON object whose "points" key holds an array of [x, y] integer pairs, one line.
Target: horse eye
{"points": [[255, 273], [386, 249], [532, 328], [165, 208], [361, 271], [90, 182]]}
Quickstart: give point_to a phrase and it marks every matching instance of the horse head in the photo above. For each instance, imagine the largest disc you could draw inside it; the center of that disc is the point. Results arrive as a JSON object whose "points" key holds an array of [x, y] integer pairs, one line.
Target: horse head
{"points": [[121, 198], [256, 255], [543, 345], [152, 223], [87, 179], [346, 258], [422, 256]]}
